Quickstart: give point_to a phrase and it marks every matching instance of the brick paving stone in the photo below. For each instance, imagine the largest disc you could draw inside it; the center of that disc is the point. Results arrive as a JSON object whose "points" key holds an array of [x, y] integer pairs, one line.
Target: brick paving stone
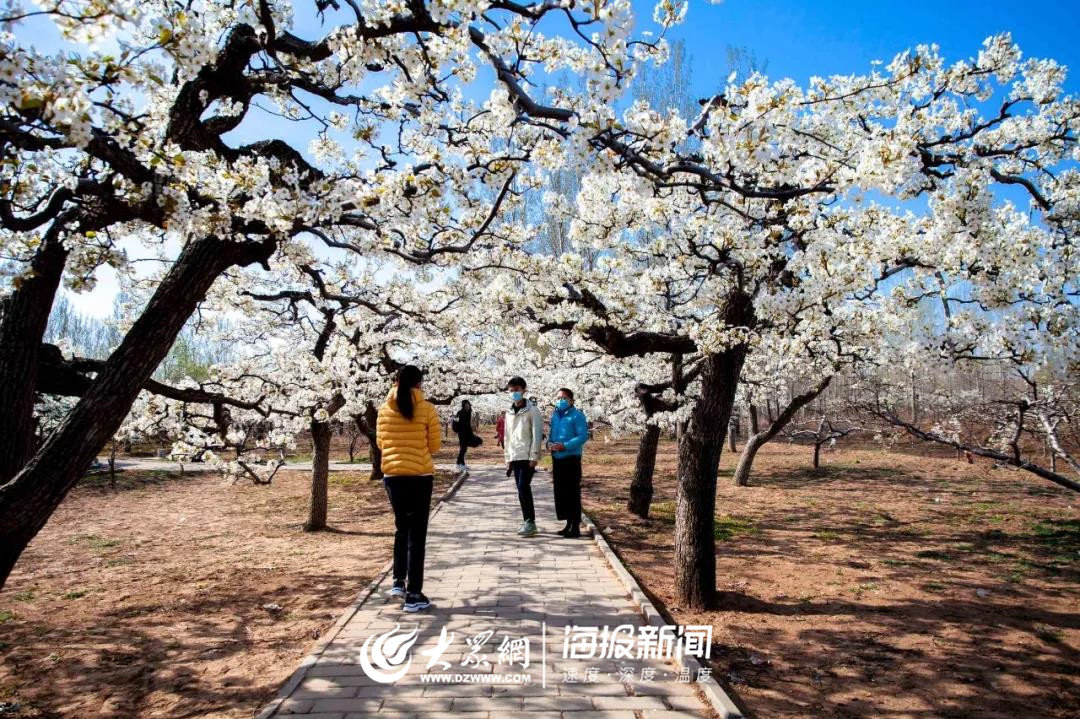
{"points": [[482, 577]]}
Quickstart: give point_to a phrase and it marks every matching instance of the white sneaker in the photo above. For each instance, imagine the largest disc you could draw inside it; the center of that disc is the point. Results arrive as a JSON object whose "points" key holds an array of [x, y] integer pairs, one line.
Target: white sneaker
{"points": [[528, 529]]}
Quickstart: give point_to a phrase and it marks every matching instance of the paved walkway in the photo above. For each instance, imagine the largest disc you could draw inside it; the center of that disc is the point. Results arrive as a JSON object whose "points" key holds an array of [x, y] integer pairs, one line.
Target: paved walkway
{"points": [[482, 577]]}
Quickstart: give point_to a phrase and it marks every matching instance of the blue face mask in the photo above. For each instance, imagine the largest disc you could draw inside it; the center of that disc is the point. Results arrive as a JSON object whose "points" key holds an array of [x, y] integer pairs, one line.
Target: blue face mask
{"points": [[562, 403], [516, 396]]}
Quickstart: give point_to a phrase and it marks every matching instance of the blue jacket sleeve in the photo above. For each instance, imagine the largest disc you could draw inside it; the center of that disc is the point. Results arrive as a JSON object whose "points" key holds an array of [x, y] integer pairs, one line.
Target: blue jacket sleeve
{"points": [[581, 432]]}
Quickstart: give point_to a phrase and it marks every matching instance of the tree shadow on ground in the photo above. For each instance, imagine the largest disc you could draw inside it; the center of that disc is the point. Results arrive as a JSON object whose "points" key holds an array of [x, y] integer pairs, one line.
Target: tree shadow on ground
{"points": [[833, 475], [170, 654], [985, 671], [133, 479], [907, 586]]}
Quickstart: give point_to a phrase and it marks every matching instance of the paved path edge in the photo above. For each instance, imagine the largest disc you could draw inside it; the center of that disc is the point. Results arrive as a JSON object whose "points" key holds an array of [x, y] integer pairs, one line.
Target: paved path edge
{"points": [[718, 698], [290, 684]]}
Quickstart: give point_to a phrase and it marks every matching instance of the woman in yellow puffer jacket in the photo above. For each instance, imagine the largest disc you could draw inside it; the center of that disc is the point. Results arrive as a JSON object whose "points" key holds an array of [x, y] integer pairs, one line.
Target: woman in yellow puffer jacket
{"points": [[408, 433]]}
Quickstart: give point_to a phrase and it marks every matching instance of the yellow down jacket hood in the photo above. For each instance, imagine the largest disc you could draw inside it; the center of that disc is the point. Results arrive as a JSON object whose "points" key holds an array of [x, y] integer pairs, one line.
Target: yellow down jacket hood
{"points": [[407, 445]]}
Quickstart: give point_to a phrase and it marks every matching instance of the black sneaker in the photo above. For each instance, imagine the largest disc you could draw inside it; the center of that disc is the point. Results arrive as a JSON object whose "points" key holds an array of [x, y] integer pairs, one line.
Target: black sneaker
{"points": [[564, 530], [574, 533], [398, 590], [416, 602]]}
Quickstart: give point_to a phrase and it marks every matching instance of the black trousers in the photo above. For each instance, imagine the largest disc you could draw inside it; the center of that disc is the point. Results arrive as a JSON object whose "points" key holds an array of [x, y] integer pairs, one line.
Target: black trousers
{"points": [[523, 474], [411, 499], [463, 446], [566, 478]]}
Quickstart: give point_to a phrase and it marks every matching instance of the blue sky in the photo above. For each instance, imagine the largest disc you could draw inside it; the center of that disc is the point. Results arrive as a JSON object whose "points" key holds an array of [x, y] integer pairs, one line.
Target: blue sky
{"points": [[826, 37]]}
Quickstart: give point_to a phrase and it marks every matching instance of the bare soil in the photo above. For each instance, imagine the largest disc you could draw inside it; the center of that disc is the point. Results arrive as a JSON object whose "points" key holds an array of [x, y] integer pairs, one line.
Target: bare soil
{"points": [[182, 596], [888, 584]]}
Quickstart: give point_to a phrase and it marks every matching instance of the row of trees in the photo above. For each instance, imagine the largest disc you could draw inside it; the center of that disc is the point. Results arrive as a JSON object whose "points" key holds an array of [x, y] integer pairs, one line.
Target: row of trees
{"points": [[192, 354], [438, 197], [970, 407]]}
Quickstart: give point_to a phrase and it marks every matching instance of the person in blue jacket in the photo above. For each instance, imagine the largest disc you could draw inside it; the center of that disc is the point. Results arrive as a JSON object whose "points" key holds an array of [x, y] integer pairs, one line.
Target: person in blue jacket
{"points": [[567, 436]]}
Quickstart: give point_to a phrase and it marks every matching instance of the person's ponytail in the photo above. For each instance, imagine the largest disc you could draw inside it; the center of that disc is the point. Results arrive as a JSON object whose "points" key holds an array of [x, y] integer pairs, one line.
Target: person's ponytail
{"points": [[408, 377]]}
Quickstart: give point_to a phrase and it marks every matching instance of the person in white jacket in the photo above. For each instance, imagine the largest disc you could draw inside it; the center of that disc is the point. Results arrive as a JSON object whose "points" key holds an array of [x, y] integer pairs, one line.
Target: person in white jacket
{"points": [[524, 439]]}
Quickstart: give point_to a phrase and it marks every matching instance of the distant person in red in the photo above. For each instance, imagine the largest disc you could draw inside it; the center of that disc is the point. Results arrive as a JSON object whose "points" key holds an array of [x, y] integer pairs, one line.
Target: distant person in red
{"points": [[500, 428]]}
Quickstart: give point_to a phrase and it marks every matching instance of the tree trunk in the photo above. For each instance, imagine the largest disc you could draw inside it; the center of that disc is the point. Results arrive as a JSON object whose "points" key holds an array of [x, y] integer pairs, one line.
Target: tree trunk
{"points": [[699, 460], [733, 431], [23, 319], [367, 424], [754, 424], [353, 439], [376, 460], [641, 488], [820, 439], [320, 476], [746, 459], [758, 439], [29, 499]]}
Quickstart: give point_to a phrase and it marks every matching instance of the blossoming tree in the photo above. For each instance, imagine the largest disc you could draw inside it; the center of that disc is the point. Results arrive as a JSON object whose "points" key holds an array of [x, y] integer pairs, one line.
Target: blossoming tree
{"points": [[808, 217], [154, 124], [816, 213]]}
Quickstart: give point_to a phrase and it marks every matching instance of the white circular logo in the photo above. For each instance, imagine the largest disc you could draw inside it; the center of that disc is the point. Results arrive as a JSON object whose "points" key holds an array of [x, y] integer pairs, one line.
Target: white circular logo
{"points": [[385, 657]]}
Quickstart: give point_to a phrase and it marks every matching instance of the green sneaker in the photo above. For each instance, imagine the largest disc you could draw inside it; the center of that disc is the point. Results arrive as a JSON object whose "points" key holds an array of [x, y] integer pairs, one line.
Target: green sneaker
{"points": [[528, 529]]}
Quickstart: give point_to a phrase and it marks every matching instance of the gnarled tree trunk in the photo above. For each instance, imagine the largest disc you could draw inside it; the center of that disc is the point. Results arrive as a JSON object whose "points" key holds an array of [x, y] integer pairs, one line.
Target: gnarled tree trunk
{"points": [[23, 318], [699, 460], [746, 459], [641, 488], [29, 499], [320, 476], [367, 423], [321, 434], [783, 418]]}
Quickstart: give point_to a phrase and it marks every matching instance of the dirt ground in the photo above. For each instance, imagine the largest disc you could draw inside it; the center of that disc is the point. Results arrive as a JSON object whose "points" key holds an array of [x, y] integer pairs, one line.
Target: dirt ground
{"points": [[888, 584], [181, 596]]}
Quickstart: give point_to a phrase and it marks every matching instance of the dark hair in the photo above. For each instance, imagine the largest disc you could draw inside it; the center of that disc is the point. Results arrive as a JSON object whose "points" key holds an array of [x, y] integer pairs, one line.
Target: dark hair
{"points": [[569, 392], [466, 403], [408, 377]]}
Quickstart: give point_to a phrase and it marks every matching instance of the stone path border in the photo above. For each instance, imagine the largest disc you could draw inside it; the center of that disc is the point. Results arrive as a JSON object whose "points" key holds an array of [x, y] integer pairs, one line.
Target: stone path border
{"points": [[718, 699]]}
